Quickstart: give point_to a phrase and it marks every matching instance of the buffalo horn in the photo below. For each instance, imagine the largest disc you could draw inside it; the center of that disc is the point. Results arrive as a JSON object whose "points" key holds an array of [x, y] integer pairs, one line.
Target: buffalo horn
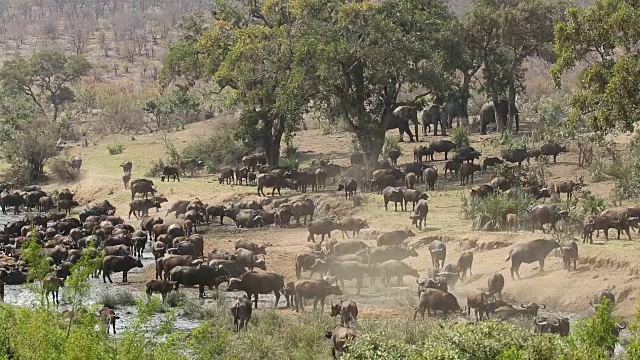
{"points": [[540, 321], [543, 306], [566, 247], [417, 282], [555, 322], [523, 306], [621, 326]]}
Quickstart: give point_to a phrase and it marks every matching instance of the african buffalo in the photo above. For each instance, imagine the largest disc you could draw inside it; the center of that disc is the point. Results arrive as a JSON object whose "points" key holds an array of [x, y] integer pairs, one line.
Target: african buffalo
{"points": [[434, 299], [535, 250], [347, 309], [254, 283]]}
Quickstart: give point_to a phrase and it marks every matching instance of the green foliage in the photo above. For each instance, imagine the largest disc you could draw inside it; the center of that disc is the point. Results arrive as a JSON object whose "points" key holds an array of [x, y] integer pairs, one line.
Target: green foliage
{"points": [[39, 265], [113, 299], [175, 109], [488, 213], [115, 149], [624, 168], [459, 136], [394, 48], [217, 150], [604, 34], [290, 162], [591, 204], [390, 143], [157, 166], [45, 78]]}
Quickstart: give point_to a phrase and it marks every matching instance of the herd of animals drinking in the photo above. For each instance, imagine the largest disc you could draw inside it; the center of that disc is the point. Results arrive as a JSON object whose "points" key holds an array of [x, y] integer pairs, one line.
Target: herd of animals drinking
{"points": [[178, 249]]}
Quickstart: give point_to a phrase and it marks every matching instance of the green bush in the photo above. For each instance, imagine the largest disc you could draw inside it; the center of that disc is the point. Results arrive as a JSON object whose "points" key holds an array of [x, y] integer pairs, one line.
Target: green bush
{"points": [[488, 213], [157, 166], [460, 137], [116, 298], [115, 149], [290, 162], [390, 142], [217, 150]]}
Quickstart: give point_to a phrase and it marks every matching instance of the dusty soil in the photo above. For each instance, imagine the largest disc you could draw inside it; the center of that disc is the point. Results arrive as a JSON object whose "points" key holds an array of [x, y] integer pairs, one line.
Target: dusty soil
{"points": [[614, 265]]}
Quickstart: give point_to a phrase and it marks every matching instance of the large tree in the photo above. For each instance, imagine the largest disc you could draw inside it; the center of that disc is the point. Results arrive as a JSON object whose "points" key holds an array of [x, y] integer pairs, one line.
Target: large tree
{"points": [[604, 37], [362, 54], [252, 49], [45, 78], [504, 34]]}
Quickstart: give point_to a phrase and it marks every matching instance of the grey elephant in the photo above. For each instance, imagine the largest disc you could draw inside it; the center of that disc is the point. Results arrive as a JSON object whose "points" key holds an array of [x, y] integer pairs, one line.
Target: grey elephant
{"points": [[488, 115], [402, 115], [433, 115], [454, 110]]}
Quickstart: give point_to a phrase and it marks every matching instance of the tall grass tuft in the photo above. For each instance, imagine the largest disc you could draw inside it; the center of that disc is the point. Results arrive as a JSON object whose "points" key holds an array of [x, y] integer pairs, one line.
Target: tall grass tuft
{"points": [[116, 298], [488, 214]]}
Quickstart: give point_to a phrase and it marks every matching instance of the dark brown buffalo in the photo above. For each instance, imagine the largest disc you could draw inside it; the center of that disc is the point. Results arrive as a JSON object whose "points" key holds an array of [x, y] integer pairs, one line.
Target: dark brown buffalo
{"points": [[478, 301], [347, 309], [347, 270], [515, 156], [350, 187], [321, 227], [305, 261], [163, 287], [432, 283], [394, 194], [395, 268], [254, 283], [201, 275], [569, 254], [413, 196], [142, 187], [441, 146], [546, 214], [394, 237], [419, 216], [434, 300], [438, 251], [249, 259], [353, 224], [274, 181], [251, 246], [317, 290], [551, 325], [466, 172], [170, 172], [168, 262], [347, 247], [111, 264], [232, 267], [116, 250], [552, 149], [339, 336], [241, 312], [383, 253], [464, 263], [535, 250], [490, 161], [108, 318], [507, 312], [599, 297], [495, 284]]}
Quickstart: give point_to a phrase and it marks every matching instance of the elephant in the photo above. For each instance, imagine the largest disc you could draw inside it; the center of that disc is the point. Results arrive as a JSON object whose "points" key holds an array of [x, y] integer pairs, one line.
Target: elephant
{"points": [[433, 115], [454, 110], [488, 115], [400, 120]]}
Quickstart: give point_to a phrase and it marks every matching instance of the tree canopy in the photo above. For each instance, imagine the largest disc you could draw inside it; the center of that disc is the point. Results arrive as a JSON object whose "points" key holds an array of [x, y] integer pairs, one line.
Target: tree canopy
{"points": [[605, 37], [363, 54], [45, 78]]}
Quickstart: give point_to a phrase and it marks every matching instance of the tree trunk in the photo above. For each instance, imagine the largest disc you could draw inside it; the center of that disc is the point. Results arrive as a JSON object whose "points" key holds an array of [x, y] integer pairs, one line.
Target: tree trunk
{"points": [[464, 99], [511, 97]]}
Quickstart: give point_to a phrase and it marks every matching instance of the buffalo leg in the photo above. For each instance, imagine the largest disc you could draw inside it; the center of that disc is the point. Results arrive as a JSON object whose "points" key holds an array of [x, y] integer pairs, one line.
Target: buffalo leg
{"points": [[277, 294], [124, 276]]}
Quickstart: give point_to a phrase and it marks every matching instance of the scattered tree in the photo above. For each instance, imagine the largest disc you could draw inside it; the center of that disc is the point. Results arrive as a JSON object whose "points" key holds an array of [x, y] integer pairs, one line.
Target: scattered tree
{"points": [[45, 78]]}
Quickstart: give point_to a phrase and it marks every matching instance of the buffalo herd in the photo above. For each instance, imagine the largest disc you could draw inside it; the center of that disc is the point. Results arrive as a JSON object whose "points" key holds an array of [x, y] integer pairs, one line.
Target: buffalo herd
{"points": [[178, 249]]}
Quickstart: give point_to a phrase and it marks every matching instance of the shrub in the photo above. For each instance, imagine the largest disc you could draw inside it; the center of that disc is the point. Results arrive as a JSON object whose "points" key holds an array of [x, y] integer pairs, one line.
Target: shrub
{"points": [[488, 213], [62, 170], [217, 150], [460, 137], [390, 142], [116, 298], [115, 149], [290, 162], [157, 166], [591, 204]]}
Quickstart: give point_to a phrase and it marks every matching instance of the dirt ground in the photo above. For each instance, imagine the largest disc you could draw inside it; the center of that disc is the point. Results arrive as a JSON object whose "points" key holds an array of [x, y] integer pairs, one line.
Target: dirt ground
{"points": [[611, 266]]}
